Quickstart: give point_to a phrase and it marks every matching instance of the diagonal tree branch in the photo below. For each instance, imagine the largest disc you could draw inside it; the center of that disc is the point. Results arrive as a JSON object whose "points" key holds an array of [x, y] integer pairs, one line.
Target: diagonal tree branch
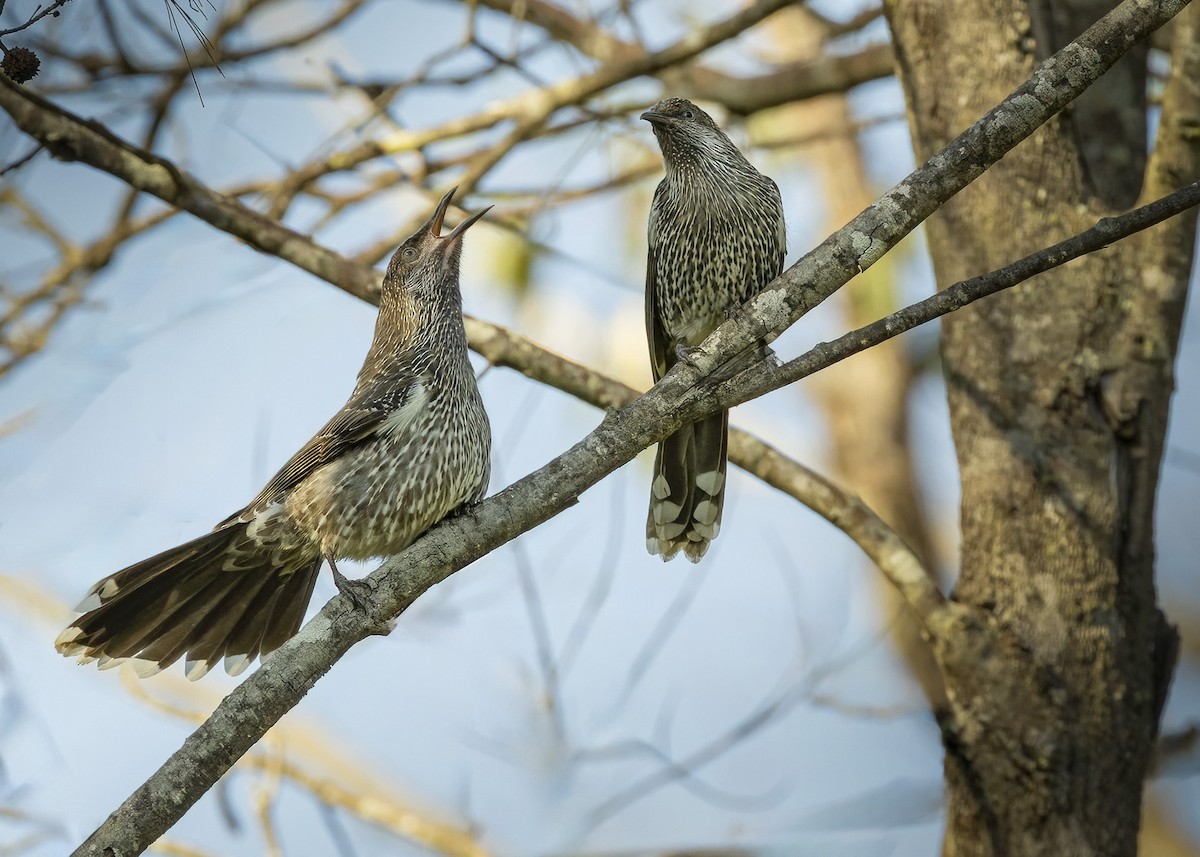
{"points": [[848, 513], [72, 138], [763, 379], [880, 543]]}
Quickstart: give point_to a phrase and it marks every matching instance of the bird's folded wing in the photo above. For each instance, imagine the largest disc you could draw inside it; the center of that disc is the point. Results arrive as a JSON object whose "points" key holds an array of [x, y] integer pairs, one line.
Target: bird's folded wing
{"points": [[371, 409], [655, 335]]}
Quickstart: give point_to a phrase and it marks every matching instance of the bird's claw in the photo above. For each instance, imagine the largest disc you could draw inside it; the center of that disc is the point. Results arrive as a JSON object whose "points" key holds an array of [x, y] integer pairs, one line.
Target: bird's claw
{"points": [[357, 591], [465, 509], [684, 352]]}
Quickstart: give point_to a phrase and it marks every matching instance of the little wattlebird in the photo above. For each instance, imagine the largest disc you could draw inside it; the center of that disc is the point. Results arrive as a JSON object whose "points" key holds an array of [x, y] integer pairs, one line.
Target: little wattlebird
{"points": [[411, 445], [716, 238]]}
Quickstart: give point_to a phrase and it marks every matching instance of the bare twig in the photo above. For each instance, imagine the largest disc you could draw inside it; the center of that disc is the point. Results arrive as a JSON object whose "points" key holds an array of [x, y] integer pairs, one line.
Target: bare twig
{"points": [[784, 84], [529, 110], [20, 161], [51, 10]]}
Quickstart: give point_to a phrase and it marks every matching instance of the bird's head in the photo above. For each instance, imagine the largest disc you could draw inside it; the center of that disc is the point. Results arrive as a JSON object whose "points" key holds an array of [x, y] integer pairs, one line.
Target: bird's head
{"points": [[686, 133], [427, 257]]}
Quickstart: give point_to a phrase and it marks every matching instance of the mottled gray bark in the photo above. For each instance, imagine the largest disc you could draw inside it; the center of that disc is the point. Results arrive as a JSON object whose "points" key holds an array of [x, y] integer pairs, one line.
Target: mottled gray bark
{"points": [[1059, 393]]}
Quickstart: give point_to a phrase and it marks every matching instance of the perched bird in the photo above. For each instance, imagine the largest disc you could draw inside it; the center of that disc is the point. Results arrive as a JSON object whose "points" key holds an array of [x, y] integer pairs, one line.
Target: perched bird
{"points": [[716, 238], [411, 445]]}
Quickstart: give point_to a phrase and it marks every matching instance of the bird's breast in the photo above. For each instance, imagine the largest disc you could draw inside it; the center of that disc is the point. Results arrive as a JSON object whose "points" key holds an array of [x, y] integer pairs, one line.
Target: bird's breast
{"points": [[711, 255], [428, 458]]}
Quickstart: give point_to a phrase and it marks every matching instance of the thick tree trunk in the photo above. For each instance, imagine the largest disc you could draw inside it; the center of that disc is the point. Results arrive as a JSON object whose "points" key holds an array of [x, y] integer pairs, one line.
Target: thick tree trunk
{"points": [[1059, 392]]}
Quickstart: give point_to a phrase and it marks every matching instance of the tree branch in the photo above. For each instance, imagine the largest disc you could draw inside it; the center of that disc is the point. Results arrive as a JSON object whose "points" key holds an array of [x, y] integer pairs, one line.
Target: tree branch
{"points": [[784, 84], [848, 513], [763, 379], [38, 14], [530, 110], [72, 138]]}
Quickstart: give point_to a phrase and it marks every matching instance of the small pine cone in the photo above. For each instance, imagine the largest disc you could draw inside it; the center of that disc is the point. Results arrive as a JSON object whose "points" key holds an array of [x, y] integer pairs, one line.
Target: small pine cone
{"points": [[20, 64]]}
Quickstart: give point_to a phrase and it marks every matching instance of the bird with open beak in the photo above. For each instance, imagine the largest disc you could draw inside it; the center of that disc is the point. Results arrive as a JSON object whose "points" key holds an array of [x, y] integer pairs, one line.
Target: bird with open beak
{"points": [[411, 445]]}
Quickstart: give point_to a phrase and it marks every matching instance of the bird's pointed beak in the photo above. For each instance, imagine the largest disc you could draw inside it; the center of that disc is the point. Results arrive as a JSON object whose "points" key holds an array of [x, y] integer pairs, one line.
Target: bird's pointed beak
{"points": [[655, 118], [439, 214], [466, 224]]}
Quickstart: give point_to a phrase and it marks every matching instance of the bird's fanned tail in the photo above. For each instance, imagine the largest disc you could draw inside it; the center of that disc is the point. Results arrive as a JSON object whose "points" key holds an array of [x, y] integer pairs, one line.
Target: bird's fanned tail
{"points": [[688, 489], [200, 599]]}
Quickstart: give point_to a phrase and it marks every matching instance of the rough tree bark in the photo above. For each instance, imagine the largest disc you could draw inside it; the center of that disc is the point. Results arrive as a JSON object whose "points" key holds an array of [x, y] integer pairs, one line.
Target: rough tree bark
{"points": [[1059, 393]]}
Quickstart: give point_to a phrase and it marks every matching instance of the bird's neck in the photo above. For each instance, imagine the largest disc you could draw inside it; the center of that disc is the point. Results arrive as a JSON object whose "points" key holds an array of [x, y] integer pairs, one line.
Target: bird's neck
{"points": [[700, 175], [395, 327], [423, 328]]}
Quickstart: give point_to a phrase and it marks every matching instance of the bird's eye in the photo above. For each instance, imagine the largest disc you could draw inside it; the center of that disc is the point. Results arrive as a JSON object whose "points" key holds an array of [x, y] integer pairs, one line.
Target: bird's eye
{"points": [[409, 253], [687, 114]]}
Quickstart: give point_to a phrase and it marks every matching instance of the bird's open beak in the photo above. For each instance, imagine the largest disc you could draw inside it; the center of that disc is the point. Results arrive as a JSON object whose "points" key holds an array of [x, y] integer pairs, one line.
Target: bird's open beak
{"points": [[655, 118], [439, 216], [466, 224]]}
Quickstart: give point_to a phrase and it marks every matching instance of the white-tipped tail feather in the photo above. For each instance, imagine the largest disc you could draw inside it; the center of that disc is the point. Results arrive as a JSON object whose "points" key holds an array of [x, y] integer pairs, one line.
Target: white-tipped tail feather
{"points": [[687, 490]]}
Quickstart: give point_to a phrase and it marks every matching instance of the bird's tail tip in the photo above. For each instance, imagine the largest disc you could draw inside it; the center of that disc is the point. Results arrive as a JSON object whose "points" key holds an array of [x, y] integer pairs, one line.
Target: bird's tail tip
{"points": [[667, 549], [193, 602]]}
